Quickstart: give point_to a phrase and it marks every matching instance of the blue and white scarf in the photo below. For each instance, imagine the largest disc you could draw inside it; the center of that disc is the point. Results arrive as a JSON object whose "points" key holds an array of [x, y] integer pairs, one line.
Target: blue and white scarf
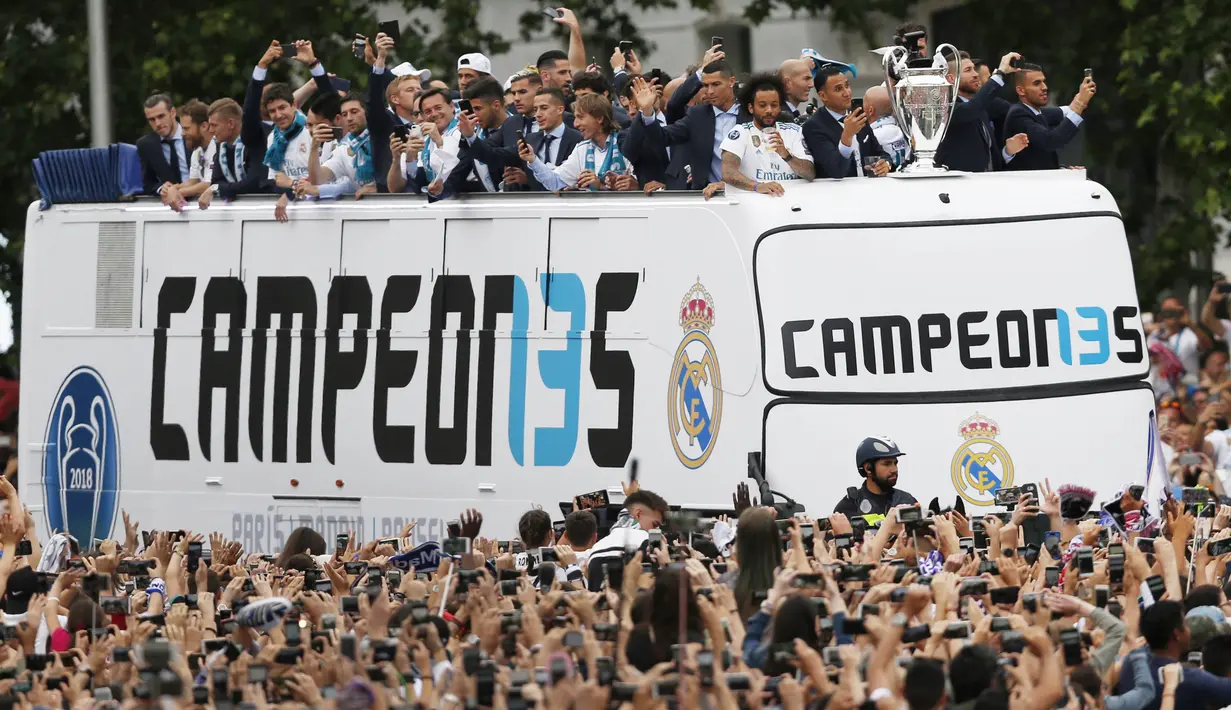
{"points": [[425, 155], [231, 173], [614, 162], [362, 146], [276, 155]]}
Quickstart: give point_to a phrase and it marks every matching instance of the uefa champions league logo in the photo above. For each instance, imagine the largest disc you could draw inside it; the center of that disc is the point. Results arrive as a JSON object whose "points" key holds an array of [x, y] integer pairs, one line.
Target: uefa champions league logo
{"points": [[81, 465]]}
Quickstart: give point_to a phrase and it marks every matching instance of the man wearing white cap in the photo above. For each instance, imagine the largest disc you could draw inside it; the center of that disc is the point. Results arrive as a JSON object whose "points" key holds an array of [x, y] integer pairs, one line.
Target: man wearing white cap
{"points": [[472, 67]]}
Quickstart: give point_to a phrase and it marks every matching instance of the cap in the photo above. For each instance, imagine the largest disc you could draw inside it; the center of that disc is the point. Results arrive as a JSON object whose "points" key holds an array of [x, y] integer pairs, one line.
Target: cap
{"points": [[475, 61], [1204, 623], [22, 585], [408, 69]]}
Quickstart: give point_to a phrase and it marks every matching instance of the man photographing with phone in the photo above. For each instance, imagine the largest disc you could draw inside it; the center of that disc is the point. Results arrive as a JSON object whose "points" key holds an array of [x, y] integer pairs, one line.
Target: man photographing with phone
{"points": [[838, 136], [349, 169]]}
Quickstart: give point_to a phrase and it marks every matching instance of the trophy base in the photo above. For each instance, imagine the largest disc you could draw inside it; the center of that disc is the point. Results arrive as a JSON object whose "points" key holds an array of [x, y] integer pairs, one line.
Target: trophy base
{"points": [[919, 170]]}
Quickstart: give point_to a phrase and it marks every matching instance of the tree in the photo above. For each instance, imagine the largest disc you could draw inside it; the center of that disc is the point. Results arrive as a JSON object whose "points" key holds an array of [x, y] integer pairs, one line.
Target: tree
{"points": [[1156, 133]]}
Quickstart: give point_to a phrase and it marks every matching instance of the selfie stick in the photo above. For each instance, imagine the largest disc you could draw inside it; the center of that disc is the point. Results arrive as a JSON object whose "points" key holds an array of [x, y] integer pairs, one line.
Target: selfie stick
{"points": [[444, 598]]}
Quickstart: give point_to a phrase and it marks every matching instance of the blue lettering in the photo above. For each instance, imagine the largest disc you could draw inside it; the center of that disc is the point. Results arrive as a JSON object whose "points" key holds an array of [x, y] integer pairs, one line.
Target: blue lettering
{"points": [[1062, 330], [1097, 335], [517, 371], [561, 370]]}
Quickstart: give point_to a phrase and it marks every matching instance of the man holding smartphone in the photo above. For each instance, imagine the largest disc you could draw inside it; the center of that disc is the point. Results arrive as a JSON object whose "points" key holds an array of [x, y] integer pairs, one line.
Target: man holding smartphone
{"points": [[1047, 133], [349, 169], [838, 134], [489, 140]]}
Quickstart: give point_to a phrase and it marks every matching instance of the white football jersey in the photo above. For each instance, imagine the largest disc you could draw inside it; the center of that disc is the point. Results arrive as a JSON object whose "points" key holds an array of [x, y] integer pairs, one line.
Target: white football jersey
{"points": [[757, 160]]}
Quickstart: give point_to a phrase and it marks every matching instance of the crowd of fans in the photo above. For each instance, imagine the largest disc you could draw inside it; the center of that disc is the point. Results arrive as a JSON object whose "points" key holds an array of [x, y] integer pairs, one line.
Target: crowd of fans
{"points": [[1190, 377], [1054, 602], [566, 124]]}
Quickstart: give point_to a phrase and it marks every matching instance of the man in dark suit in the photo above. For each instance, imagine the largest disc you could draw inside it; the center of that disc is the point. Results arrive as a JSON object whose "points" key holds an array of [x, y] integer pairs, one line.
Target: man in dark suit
{"points": [[699, 134], [971, 144], [554, 141], [841, 142], [164, 154], [677, 104], [399, 92], [796, 78], [595, 83], [649, 162], [1047, 134], [487, 133]]}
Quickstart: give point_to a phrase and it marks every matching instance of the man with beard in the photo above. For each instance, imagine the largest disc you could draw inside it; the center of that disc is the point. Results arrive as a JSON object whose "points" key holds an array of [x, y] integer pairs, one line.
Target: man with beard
{"points": [[762, 154], [877, 461], [1047, 133], [970, 143]]}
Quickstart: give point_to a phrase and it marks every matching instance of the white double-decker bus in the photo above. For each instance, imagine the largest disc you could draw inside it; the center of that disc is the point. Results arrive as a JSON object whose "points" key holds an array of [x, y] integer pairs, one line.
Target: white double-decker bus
{"points": [[375, 362]]}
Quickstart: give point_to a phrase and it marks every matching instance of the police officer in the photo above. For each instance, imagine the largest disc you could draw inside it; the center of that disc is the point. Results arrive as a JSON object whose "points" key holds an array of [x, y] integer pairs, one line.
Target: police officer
{"points": [[877, 461]]}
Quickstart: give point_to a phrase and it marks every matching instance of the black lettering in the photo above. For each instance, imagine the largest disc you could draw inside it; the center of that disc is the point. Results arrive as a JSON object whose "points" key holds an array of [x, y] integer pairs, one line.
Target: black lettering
{"points": [[929, 343], [497, 299], [343, 371], [967, 341], [790, 361], [447, 445], [283, 296], [846, 345], [1007, 358], [612, 370], [221, 370], [394, 370], [168, 441], [1126, 333], [886, 326], [1041, 316]]}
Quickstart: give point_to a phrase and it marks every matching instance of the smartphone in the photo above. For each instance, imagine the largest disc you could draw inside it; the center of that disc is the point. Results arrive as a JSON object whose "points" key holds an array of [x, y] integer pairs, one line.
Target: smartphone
{"points": [[1162, 681], [1189, 460], [958, 629], [1217, 548], [289, 49], [355, 569], [1051, 577], [1089, 73], [1005, 595], [1157, 586], [973, 587], [1145, 544], [25, 548], [1070, 641], [856, 105], [1016, 62], [338, 132], [465, 106], [343, 539], [258, 673], [548, 554], [1101, 594], [391, 29], [455, 546], [350, 605], [1085, 562], [358, 46], [626, 46], [552, 12], [716, 42]]}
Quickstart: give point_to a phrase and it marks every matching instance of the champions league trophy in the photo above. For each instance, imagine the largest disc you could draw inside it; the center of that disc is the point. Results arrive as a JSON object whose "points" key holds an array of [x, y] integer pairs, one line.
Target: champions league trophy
{"points": [[923, 101]]}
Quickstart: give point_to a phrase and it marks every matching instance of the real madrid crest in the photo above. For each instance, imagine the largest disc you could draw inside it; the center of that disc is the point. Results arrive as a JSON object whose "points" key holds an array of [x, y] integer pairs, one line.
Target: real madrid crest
{"points": [[981, 465], [756, 141], [694, 392]]}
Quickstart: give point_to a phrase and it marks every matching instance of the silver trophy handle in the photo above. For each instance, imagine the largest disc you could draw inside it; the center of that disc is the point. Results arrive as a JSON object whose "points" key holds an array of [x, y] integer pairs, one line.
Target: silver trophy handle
{"points": [[894, 59], [957, 79]]}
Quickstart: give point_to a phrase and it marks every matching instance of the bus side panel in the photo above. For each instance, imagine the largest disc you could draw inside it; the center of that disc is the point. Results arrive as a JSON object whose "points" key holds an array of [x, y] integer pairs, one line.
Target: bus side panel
{"points": [[963, 448]]}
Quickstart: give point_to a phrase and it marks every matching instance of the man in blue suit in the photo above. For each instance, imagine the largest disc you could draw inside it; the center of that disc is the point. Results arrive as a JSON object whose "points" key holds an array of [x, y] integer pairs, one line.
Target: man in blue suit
{"points": [[1047, 133], [702, 129]]}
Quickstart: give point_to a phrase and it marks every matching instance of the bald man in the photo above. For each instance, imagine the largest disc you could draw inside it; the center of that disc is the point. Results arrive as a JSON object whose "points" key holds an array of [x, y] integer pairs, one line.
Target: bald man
{"points": [[879, 109], [796, 78]]}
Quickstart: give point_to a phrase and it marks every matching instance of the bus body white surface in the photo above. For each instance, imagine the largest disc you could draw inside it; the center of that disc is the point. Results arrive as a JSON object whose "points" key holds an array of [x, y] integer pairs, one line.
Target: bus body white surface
{"points": [[376, 362]]}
